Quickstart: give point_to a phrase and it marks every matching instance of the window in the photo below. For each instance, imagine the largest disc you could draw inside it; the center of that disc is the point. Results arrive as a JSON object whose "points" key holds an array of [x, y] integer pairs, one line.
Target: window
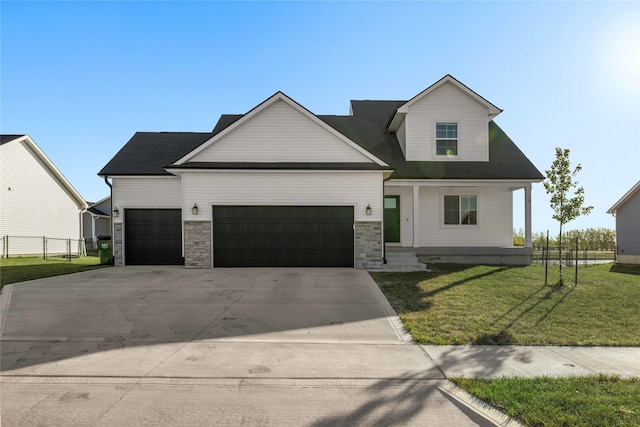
{"points": [[460, 210], [446, 139]]}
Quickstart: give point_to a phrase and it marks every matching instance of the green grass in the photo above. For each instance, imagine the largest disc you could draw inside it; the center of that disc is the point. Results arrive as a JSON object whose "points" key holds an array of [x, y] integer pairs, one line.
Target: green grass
{"points": [[574, 401], [458, 304], [20, 269]]}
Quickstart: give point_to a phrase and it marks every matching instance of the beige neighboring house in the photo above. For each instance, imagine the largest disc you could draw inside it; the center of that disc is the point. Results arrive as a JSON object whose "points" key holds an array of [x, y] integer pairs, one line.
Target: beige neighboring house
{"points": [[36, 200], [627, 213]]}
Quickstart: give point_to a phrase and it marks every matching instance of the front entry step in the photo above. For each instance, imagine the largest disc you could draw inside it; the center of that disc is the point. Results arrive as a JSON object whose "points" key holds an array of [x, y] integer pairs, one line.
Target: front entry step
{"points": [[403, 261]]}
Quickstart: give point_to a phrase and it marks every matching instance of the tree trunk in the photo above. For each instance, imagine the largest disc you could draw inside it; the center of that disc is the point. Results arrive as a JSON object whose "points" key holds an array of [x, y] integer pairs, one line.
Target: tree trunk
{"points": [[560, 254]]}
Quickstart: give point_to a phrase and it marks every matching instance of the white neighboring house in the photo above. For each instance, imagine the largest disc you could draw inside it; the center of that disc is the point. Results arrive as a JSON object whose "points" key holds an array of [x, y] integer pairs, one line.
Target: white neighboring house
{"points": [[627, 213], [36, 200], [97, 221], [431, 177]]}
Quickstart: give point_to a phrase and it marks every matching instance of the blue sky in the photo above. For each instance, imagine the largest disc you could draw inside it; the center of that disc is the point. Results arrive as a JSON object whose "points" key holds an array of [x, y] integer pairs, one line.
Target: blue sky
{"points": [[82, 77]]}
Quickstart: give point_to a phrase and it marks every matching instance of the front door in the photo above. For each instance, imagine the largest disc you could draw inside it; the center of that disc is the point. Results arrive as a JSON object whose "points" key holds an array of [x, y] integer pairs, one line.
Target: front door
{"points": [[392, 219]]}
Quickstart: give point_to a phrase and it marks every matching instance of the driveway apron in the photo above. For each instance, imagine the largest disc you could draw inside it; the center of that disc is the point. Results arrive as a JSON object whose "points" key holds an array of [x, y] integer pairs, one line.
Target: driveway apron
{"points": [[171, 346]]}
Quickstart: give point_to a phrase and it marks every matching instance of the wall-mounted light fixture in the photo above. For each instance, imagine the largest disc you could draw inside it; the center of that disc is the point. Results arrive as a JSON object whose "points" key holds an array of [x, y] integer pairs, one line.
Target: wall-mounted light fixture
{"points": [[194, 209], [368, 210], [116, 212]]}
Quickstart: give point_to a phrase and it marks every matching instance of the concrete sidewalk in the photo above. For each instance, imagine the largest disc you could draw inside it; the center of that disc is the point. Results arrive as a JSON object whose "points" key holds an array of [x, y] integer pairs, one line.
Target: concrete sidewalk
{"points": [[485, 361]]}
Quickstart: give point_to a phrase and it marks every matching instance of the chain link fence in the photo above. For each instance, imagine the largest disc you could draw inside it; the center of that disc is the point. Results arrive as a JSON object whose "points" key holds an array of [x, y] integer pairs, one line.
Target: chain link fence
{"points": [[42, 246]]}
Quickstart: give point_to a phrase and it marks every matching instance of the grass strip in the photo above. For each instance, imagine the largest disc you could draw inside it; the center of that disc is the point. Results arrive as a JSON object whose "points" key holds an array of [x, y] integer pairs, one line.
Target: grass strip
{"points": [[500, 305], [596, 401], [20, 269]]}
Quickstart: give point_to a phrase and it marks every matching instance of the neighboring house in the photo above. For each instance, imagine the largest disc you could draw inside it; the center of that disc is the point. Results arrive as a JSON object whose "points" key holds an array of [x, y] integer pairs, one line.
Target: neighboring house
{"points": [[281, 186], [37, 200], [627, 213], [96, 221]]}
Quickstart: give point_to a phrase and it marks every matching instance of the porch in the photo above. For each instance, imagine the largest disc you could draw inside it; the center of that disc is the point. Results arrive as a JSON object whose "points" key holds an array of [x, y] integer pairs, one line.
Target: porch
{"points": [[459, 221]]}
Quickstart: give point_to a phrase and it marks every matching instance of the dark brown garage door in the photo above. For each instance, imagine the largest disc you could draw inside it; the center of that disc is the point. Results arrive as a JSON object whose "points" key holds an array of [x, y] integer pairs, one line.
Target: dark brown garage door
{"points": [[283, 236], [153, 237]]}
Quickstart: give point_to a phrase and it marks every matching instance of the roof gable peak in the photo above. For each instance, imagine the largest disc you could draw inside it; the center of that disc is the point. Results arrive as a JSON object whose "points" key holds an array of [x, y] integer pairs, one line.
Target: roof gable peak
{"points": [[264, 105], [395, 121]]}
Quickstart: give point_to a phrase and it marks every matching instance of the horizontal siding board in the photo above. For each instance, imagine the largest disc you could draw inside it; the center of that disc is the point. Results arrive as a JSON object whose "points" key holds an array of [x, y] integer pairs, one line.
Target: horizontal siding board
{"points": [[283, 188], [32, 185], [628, 226], [280, 134], [495, 218], [146, 193], [447, 104]]}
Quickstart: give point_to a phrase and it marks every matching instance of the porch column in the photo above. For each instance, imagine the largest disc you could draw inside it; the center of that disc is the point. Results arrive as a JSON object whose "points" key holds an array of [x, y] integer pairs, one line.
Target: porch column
{"points": [[416, 216], [527, 216]]}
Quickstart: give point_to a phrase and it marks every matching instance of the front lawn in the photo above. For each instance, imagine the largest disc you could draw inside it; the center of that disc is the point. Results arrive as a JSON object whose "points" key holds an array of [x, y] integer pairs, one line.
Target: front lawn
{"points": [[457, 304], [550, 402], [20, 269]]}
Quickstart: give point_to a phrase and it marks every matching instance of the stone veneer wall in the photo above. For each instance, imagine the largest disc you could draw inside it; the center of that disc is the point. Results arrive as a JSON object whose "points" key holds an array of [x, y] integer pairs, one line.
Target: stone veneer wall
{"points": [[369, 244], [197, 244], [117, 246]]}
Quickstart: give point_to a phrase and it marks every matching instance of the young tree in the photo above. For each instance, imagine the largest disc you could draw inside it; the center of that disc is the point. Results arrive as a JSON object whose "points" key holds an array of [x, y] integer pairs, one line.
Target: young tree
{"points": [[559, 183]]}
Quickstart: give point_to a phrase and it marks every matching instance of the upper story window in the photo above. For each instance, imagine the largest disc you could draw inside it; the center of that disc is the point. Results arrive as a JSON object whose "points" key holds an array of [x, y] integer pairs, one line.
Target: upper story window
{"points": [[461, 210], [446, 139]]}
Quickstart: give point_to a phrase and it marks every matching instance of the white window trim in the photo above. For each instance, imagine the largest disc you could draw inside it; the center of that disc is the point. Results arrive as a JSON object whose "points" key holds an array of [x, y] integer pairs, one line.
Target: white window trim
{"points": [[459, 226], [434, 145]]}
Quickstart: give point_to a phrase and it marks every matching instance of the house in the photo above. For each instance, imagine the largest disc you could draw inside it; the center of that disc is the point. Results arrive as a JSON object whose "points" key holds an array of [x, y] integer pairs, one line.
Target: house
{"points": [[627, 213], [433, 176], [96, 221], [37, 201]]}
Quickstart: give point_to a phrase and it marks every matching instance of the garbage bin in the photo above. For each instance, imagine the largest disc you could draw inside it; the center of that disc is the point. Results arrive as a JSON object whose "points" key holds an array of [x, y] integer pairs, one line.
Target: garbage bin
{"points": [[104, 249]]}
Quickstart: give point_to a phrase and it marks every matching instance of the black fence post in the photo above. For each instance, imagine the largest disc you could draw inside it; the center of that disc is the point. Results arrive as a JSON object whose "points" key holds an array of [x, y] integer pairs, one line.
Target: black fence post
{"points": [[576, 278], [69, 250], [546, 261]]}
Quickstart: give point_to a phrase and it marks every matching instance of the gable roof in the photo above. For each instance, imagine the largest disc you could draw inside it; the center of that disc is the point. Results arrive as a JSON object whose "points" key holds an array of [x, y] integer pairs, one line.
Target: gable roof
{"points": [[237, 121], [613, 209], [148, 153], [402, 110], [367, 127], [47, 163], [159, 153]]}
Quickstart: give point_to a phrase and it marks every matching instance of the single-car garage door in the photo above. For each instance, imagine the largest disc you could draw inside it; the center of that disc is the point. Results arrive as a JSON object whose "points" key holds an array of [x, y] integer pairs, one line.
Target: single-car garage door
{"points": [[153, 236], [283, 236]]}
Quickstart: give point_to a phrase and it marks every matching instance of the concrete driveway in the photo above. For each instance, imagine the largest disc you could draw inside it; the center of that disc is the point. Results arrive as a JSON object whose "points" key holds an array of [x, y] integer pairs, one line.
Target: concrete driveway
{"points": [[169, 346]]}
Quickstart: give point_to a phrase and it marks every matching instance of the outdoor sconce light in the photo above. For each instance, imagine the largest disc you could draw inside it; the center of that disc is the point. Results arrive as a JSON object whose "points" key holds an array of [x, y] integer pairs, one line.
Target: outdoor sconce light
{"points": [[368, 210], [194, 209], [116, 212]]}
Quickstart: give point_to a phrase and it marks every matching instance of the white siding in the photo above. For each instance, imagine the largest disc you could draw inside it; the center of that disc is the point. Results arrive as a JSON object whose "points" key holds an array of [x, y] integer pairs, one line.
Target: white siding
{"points": [[628, 227], [283, 188], [33, 202], [447, 104], [401, 134], [495, 219], [280, 134], [140, 193]]}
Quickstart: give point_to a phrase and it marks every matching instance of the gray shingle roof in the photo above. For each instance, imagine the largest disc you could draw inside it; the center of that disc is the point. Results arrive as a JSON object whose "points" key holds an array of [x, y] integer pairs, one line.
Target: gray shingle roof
{"points": [[7, 138], [149, 153], [367, 128]]}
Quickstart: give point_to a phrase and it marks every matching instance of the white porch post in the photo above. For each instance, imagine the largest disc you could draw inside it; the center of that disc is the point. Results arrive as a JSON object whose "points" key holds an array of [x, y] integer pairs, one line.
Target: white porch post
{"points": [[527, 216], [416, 216]]}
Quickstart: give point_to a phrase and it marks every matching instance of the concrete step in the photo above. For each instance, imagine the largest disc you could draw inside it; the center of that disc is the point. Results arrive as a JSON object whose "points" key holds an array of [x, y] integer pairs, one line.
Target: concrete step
{"points": [[403, 261]]}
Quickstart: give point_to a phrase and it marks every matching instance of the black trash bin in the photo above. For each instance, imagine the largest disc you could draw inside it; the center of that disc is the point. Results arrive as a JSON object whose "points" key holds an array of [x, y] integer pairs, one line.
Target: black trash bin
{"points": [[104, 249]]}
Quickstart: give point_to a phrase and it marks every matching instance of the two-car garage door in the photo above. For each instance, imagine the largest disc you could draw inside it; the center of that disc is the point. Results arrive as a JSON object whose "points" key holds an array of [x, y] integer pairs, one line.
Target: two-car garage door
{"points": [[248, 236], [283, 236]]}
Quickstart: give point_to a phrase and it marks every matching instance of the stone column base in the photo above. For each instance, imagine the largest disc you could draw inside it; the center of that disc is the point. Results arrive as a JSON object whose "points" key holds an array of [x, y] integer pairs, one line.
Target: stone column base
{"points": [[197, 244], [369, 244]]}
